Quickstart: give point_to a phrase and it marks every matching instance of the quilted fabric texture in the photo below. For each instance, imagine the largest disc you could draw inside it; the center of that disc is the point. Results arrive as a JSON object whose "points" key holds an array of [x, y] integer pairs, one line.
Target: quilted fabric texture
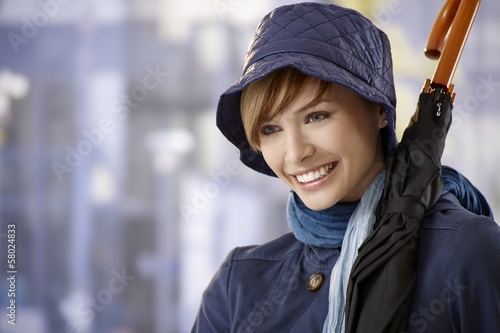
{"points": [[329, 42]]}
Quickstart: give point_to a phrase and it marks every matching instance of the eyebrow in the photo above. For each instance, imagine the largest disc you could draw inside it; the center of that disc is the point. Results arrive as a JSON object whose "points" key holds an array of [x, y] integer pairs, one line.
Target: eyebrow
{"points": [[312, 104]]}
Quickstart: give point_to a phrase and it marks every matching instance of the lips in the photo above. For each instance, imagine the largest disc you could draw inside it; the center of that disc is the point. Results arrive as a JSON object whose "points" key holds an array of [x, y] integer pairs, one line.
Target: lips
{"points": [[314, 175]]}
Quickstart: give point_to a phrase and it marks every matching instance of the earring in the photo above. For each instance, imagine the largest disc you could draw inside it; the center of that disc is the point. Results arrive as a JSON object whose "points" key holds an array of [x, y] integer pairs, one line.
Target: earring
{"points": [[384, 123]]}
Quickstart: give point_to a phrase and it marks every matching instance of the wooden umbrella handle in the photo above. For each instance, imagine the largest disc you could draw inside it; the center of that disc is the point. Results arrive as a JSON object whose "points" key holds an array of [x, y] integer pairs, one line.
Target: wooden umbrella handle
{"points": [[448, 36]]}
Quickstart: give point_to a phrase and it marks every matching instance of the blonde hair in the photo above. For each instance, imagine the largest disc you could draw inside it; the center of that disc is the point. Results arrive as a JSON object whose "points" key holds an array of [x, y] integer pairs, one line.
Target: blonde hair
{"points": [[268, 97]]}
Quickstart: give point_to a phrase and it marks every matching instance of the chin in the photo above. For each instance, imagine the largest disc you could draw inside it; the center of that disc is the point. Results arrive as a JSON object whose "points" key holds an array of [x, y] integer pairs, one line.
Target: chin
{"points": [[317, 205]]}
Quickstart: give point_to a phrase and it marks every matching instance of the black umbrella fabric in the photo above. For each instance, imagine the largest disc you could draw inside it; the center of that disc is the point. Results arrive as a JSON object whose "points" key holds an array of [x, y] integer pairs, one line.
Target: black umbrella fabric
{"points": [[383, 276]]}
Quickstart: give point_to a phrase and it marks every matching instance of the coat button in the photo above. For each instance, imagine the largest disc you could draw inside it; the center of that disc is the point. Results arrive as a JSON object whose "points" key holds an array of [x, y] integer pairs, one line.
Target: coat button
{"points": [[315, 282]]}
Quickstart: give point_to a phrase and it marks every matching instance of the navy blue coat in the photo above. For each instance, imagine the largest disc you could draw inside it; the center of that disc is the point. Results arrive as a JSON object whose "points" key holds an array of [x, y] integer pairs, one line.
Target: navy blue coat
{"points": [[263, 288]]}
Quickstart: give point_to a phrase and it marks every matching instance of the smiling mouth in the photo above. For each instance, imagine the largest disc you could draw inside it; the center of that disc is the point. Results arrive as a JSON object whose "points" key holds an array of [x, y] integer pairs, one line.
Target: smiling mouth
{"points": [[313, 175]]}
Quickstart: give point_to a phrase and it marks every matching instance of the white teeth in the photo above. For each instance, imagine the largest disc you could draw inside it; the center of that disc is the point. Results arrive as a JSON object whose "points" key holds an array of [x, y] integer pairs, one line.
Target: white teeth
{"points": [[310, 175], [315, 175]]}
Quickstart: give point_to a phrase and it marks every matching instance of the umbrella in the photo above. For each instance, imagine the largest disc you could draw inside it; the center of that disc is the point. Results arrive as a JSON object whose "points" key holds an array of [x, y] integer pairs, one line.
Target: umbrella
{"points": [[383, 276]]}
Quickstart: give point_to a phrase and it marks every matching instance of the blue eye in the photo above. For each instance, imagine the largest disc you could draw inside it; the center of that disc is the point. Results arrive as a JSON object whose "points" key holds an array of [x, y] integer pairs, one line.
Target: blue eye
{"points": [[269, 129], [316, 117]]}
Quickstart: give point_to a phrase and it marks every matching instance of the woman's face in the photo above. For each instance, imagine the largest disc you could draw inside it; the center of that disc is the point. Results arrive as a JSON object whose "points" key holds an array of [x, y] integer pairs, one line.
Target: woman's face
{"points": [[326, 152]]}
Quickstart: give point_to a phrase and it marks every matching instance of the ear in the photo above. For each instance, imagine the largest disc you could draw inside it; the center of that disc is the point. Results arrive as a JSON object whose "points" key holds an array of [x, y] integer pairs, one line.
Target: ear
{"points": [[381, 116]]}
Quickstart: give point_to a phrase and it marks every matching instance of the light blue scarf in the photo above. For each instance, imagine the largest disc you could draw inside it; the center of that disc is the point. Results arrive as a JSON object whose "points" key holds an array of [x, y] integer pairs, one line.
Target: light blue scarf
{"points": [[351, 234]]}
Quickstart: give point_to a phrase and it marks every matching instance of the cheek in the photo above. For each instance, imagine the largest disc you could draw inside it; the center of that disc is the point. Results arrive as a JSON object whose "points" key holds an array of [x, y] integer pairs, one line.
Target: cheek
{"points": [[339, 139], [365, 132], [352, 142], [271, 155]]}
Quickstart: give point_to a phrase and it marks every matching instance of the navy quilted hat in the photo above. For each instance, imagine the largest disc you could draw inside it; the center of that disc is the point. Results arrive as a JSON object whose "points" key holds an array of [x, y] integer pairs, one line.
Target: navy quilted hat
{"points": [[324, 41]]}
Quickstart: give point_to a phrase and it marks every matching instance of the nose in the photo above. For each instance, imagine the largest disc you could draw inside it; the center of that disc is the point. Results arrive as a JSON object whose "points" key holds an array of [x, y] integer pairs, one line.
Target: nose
{"points": [[298, 148]]}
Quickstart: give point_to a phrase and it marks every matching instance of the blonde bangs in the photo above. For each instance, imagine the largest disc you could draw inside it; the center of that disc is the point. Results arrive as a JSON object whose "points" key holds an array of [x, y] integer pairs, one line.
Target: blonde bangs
{"points": [[267, 98]]}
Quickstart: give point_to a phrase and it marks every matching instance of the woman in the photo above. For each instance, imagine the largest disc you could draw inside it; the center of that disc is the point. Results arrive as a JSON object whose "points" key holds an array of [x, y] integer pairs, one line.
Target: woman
{"points": [[315, 106]]}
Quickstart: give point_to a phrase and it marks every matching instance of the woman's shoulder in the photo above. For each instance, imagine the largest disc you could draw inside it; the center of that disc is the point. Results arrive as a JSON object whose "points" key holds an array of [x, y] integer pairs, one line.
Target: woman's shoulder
{"points": [[458, 271], [448, 214], [454, 239]]}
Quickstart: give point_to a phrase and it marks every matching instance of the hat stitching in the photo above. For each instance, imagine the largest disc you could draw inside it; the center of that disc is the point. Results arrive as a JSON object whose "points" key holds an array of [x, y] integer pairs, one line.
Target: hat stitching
{"points": [[376, 70], [295, 34], [274, 20]]}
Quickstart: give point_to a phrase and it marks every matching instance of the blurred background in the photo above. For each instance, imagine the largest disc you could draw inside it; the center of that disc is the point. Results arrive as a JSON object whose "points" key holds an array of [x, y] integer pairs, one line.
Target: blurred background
{"points": [[124, 196]]}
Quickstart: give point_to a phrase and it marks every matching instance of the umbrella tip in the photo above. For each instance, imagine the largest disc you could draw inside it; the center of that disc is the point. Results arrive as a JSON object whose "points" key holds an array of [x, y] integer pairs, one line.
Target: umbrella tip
{"points": [[432, 53]]}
